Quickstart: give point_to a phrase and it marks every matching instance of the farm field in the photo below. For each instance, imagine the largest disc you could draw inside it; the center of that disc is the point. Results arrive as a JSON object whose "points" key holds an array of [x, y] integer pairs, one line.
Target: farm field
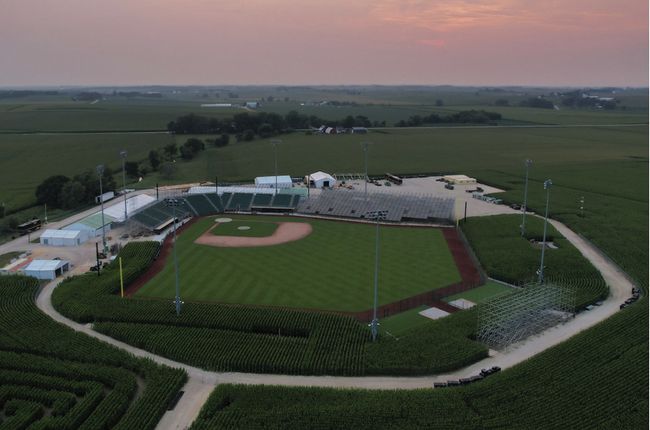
{"points": [[610, 392], [331, 269], [53, 377]]}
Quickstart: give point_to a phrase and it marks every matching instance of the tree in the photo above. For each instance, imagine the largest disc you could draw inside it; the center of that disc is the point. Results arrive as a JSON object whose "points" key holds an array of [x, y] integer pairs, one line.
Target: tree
{"points": [[132, 168], [439, 102], [186, 153], [170, 150], [248, 135], [72, 195], [265, 130], [154, 159], [167, 170], [501, 102], [49, 191]]}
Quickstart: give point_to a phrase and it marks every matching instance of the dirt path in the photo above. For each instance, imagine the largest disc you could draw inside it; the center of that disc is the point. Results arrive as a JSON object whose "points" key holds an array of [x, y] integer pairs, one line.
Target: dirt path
{"points": [[285, 233], [201, 382]]}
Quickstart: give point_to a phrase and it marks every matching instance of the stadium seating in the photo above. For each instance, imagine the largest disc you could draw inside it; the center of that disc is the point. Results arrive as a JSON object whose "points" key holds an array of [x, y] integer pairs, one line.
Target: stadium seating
{"points": [[201, 205], [240, 202], [216, 201]]}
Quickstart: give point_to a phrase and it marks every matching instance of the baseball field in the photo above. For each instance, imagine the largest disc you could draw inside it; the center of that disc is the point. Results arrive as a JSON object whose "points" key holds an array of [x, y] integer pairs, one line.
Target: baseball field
{"points": [[329, 265]]}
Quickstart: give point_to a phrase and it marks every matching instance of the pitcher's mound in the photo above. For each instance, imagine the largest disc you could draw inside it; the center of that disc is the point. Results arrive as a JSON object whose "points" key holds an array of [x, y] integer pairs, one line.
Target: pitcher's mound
{"points": [[285, 233]]}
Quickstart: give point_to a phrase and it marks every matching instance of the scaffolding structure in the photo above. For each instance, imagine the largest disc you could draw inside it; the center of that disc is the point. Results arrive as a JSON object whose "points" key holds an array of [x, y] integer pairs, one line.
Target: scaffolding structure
{"points": [[510, 318]]}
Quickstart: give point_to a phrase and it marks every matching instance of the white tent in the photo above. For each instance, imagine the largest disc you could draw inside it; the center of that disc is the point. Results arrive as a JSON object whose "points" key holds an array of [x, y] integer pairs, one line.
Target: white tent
{"points": [[47, 269], [283, 181], [63, 237], [321, 180]]}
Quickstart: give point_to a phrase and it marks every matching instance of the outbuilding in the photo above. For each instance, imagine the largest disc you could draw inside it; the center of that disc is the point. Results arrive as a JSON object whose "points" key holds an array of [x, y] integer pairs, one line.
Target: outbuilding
{"points": [[459, 179], [92, 224], [47, 269], [283, 181], [320, 180], [63, 237]]}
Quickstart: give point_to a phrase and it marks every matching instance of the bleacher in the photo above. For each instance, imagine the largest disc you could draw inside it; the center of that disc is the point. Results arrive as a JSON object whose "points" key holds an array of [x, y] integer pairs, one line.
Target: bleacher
{"points": [[240, 202], [262, 200], [200, 205], [158, 216], [216, 201], [354, 204]]}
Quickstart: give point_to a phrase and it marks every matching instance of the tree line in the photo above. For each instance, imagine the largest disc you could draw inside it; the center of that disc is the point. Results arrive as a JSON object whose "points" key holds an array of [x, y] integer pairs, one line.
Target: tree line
{"points": [[462, 117]]}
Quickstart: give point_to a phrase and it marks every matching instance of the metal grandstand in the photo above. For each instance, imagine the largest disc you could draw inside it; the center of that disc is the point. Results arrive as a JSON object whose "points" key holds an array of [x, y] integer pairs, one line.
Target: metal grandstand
{"points": [[512, 317], [398, 207]]}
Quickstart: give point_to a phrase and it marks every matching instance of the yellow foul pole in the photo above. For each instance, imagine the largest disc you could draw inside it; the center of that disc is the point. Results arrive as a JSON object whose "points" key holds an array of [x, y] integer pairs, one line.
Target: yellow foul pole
{"points": [[121, 279]]}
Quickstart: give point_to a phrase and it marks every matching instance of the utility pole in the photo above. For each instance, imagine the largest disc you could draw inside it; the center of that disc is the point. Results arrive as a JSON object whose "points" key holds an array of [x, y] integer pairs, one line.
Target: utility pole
{"points": [[527, 163], [177, 300], [100, 172], [547, 187], [275, 142], [123, 156]]}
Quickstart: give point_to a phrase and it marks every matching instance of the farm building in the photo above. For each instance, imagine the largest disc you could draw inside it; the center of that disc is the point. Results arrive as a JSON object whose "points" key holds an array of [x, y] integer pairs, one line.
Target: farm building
{"points": [[459, 179], [252, 105], [359, 130], [63, 237], [283, 181], [321, 180], [46, 269], [92, 224]]}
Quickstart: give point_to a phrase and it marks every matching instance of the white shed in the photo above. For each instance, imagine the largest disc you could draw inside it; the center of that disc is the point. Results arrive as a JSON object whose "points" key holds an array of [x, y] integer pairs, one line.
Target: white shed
{"points": [[321, 180], [283, 181], [63, 237], [47, 269]]}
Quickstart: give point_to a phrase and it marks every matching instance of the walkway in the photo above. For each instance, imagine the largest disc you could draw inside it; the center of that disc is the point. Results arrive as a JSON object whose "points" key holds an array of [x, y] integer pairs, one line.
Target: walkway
{"points": [[201, 382]]}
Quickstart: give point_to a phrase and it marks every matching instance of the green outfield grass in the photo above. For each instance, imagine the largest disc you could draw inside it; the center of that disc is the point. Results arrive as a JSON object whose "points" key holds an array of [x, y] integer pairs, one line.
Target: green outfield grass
{"points": [[482, 293], [330, 269], [256, 228]]}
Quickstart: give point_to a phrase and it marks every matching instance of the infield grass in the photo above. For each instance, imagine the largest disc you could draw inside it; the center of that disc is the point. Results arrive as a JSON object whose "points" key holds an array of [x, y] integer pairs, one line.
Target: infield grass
{"points": [[331, 269], [255, 228]]}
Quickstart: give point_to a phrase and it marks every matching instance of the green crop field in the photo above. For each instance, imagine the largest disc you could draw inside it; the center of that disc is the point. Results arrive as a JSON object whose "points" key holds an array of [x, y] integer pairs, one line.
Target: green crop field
{"points": [[245, 228], [54, 377], [330, 269]]}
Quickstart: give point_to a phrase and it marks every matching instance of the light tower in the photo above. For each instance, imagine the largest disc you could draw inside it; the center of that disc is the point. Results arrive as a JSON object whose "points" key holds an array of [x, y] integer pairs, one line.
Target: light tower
{"points": [[527, 163], [547, 187], [177, 300], [123, 157], [275, 143], [365, 164], [374, 324], [100, 173]]}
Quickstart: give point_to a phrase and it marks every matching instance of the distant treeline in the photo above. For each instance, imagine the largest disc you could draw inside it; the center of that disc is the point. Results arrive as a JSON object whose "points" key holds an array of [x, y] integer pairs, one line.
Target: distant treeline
{"points": [[10, 94], [263, 124], [462, 117]]}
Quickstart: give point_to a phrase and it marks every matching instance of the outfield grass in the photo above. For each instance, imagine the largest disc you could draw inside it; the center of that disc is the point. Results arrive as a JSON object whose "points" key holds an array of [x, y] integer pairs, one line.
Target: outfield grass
{"points": [[397, 324], [482, 293], [330, 269], [256, 228]]}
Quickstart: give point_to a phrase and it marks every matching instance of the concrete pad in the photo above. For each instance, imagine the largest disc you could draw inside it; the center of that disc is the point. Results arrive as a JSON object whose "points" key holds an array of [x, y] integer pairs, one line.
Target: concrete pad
{"points": [[433, 313], [462, 304]]}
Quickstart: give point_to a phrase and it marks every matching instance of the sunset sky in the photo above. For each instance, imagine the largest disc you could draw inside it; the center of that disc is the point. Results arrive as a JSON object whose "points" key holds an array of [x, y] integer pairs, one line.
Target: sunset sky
{"points": [[459, 42]]}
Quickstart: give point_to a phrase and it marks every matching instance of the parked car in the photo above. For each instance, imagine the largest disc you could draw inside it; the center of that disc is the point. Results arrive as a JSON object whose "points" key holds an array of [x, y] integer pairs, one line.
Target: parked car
{"points": [[449, 186]]}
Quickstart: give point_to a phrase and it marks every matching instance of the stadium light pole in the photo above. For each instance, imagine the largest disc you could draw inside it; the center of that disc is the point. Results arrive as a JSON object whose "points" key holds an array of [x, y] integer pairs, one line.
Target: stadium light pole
{"points": [[528, 163], [275, 142], [123, 157], [365, 164], [547, 187], [374, 324], [100, 173], [177, 300]]}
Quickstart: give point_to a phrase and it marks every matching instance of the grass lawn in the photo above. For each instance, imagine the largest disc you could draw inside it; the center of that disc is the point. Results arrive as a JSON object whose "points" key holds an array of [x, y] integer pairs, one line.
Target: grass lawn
{"points": [[330, 269], [402, 322], [255, 228], [482, 293], [6, 258]]}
